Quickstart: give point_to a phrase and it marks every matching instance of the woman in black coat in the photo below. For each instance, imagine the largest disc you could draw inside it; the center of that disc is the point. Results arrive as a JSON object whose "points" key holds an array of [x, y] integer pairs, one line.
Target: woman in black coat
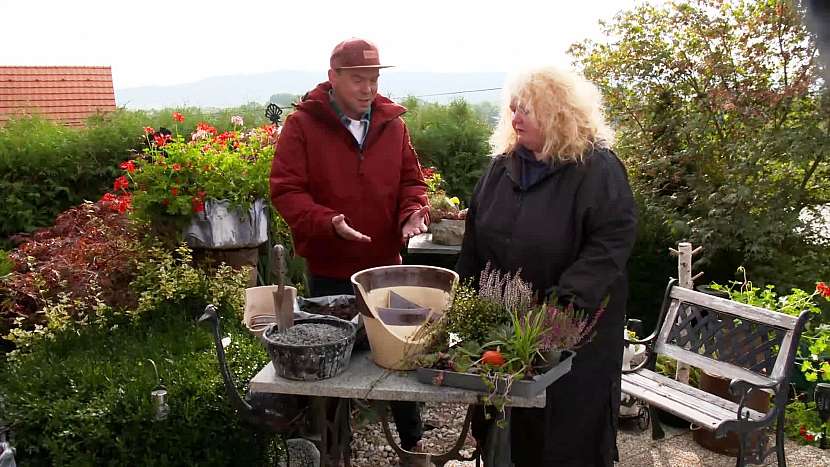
{"points": [[556, 204]]}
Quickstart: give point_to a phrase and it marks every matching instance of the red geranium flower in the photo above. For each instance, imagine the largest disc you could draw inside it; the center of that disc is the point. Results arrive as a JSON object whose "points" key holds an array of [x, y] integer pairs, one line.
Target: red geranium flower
{"points": [[823, 289], [149, 130], [129, 166], [174, 191], [802, 430], [427, 172], [177, 167], [198, 205], [165, 202], [121, 183], [205, 127], [178, 117], [810, 438], [108, 197], [124, 203], [160, 140]]}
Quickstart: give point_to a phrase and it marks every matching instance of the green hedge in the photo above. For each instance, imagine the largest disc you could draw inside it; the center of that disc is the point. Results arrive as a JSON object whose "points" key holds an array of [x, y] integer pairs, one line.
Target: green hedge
{"points": [[84, 398], [46, 168]]}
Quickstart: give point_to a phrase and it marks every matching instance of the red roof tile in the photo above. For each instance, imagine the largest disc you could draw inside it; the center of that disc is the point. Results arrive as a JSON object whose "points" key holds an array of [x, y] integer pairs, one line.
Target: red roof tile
{"points": [[67, 94]]}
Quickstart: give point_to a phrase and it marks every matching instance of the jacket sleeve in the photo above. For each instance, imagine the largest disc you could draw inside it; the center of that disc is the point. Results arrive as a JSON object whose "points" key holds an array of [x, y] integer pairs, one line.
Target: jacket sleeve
{"points": [[610, 227], [412, 191], [289, 187]]}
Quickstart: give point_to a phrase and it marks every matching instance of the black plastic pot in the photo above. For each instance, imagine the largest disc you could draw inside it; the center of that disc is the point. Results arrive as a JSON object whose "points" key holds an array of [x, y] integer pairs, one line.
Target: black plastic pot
{"points": [[314, 361]]}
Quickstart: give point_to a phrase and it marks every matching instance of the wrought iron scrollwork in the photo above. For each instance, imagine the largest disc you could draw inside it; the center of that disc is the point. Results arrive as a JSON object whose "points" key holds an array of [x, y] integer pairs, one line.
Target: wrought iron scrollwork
{"points": [[273, 112]]}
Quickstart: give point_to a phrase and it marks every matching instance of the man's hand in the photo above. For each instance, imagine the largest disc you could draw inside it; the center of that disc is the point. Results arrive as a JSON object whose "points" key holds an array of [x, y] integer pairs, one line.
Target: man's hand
{"points": [[416, 224], [346, 232]]}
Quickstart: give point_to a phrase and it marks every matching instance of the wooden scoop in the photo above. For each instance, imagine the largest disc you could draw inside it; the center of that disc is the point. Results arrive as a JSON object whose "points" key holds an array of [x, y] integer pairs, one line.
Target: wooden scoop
{"points": [[285, 318]]}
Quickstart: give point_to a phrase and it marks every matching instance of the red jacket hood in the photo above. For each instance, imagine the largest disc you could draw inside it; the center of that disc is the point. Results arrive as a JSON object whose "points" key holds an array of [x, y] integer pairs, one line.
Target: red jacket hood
{"points": [[316, 102]]}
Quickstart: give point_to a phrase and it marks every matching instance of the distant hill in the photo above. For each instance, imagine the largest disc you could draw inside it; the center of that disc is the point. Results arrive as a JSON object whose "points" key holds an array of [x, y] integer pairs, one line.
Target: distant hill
{"points": [[234, 90]]}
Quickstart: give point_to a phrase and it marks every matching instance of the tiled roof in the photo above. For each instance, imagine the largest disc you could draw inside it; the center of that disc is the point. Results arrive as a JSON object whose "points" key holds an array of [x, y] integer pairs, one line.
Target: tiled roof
{"points": [[68, 94]]}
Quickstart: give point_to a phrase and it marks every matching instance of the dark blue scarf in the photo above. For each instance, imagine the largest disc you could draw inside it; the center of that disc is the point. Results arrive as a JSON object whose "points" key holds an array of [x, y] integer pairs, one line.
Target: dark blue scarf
{"points": [[532, 170]]}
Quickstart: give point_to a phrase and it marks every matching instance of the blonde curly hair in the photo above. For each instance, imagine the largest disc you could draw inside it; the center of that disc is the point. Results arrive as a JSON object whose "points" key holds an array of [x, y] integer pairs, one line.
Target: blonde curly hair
{"points": [[567, 107]]}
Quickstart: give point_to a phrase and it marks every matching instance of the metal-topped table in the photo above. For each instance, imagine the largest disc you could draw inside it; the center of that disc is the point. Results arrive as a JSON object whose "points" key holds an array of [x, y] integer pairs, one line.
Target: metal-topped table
{"points": [[363, 380], [422, 243]]}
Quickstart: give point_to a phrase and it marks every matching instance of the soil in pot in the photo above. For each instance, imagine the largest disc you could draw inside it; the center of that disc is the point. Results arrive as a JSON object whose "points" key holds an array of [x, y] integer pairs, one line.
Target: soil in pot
{"points": [[312, 349], [727, 445], [309, 334]]}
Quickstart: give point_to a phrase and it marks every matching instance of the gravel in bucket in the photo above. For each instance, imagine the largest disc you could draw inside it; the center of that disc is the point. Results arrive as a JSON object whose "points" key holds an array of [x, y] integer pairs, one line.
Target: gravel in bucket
{"points": [[309, 334]]}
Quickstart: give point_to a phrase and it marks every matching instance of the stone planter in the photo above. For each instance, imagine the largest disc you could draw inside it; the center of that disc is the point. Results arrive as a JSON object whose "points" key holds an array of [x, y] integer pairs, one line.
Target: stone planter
{"points": [[311, 360], [222, 226], [447, 231]]}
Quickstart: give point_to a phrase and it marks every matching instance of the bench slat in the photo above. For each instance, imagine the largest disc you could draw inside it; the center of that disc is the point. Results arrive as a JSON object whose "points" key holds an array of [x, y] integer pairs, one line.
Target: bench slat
{"points": [[700, 407], [752, 313], [723, 369]]}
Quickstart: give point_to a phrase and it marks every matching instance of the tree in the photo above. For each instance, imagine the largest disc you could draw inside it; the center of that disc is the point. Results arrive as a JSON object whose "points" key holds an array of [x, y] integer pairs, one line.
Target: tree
{"points": [[451, 138], [722, 120]]}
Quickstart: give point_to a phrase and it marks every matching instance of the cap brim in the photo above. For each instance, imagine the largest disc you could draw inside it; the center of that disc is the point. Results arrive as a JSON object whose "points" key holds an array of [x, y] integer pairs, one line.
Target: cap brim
{"points": [[359, 67]]}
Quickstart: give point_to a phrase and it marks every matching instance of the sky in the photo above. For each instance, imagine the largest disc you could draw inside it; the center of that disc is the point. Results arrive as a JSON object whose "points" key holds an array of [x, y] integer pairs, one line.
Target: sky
{"points": [[179, 41]]}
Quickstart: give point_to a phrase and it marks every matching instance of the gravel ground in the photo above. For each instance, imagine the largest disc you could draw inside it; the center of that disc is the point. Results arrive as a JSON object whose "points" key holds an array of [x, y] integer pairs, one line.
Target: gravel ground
{"points": [[637, 449]]}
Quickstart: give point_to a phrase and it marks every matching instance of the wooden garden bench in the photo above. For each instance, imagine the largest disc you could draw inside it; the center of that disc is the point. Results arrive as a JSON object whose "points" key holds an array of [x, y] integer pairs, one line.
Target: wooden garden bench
{"points": [[754, 347]]}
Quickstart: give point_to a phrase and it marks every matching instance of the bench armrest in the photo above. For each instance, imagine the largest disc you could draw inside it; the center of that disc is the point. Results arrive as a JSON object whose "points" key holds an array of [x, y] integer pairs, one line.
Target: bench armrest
{"points": [[741, 388]]}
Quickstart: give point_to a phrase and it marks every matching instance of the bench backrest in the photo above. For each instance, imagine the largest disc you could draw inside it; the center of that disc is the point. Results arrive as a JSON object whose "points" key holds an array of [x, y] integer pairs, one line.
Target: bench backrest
{"points": [[727, 338]]}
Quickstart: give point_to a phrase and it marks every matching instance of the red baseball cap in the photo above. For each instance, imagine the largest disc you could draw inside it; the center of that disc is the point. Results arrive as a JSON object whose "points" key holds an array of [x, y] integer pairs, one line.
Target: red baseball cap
{"points": [[355, 53]]}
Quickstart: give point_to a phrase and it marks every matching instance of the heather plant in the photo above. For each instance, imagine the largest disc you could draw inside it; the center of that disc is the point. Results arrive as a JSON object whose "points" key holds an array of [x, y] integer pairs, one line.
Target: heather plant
{"points": [[567, 328], [509, 291]]}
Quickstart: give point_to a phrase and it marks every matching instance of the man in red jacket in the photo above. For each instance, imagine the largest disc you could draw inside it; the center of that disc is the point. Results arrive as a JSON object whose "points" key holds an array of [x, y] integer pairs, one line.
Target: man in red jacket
{"points": [[348, 183]]}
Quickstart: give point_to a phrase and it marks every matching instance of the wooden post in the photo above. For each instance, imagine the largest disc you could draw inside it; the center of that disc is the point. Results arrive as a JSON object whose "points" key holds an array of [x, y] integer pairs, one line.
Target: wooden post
{"points": [[684, 278]]}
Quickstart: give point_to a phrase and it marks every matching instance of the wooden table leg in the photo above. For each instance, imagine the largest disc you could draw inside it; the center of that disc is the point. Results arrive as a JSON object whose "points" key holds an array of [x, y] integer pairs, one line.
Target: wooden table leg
{"points": [[423, 458]]}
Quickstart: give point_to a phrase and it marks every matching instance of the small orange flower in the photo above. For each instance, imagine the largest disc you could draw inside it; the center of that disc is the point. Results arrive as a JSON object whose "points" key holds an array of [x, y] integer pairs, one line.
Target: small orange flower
{"points": [[177, 167]]}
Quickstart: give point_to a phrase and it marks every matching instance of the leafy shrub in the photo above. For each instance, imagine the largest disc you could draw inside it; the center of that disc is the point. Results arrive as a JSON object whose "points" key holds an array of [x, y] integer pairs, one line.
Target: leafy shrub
{"points": [[166, 278], [6, 264], [83, 397], [451, 138], [73, 271], [472, 317]]}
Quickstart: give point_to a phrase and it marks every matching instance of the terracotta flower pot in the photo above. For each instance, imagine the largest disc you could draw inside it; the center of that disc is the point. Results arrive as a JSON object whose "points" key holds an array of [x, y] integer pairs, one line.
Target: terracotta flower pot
{"points": [[396, 346]]}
